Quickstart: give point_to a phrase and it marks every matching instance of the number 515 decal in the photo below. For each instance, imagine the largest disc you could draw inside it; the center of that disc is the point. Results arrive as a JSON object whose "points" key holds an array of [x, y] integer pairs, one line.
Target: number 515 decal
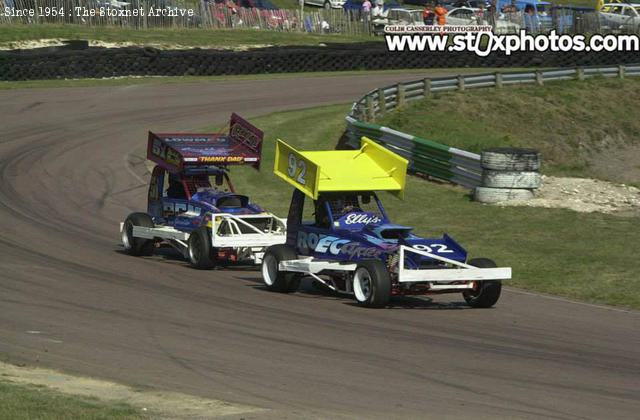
{"points": [[294, 165]]}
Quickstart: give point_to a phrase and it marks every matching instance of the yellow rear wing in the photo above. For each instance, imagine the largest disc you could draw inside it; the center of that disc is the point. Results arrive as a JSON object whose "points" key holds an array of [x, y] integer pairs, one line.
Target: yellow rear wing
{"points": [[371, 168]]}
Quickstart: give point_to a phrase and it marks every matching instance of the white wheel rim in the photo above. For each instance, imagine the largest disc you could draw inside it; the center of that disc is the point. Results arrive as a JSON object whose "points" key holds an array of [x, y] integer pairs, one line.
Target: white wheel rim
{"points": [[125, 235], [362, 284], [269, 269]]}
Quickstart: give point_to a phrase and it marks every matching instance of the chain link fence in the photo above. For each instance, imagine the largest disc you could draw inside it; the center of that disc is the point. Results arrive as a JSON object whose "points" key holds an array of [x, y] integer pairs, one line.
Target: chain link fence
{"points": [[223, 14]]}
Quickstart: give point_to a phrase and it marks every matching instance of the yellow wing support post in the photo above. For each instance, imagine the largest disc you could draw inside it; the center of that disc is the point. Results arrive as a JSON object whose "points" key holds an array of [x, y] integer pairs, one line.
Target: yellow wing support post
{"points": [[371, 168]]}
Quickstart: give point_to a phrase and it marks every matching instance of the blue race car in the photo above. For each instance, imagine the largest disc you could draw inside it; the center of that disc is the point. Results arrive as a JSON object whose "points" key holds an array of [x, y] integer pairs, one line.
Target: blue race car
{"points": [[352, 247], [192, 204]]}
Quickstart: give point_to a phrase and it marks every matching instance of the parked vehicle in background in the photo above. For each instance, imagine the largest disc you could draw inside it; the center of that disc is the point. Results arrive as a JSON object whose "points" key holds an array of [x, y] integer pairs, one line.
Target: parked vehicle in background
{"points": [[448, 4], [620, 17], [327, 4], [472, 16], [354, 5], [396, 17]]}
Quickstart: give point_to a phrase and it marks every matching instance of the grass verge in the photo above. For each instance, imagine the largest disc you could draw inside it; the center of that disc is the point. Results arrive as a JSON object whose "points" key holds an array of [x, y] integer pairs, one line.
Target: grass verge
{"points": [[127, 81], [574, 123], [591, 257], [19, 401], [211, 38]]}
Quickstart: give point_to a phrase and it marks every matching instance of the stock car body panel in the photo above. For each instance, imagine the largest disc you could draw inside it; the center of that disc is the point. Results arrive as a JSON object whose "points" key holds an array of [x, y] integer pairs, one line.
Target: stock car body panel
{"points": [[351, 224]]}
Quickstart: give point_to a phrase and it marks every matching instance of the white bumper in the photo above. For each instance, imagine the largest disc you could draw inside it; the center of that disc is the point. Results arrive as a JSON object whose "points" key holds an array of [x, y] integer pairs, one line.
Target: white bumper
{"points": [[462, 273]]}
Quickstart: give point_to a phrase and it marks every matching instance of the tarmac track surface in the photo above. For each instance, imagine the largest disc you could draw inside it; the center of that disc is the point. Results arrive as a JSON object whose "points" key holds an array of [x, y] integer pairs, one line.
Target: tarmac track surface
{"points": [[65, 186]]}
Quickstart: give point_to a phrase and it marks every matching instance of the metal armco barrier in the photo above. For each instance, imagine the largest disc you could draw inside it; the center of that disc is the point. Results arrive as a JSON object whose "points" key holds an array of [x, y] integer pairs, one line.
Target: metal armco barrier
{"points": [[434, 159], [425, 157]]}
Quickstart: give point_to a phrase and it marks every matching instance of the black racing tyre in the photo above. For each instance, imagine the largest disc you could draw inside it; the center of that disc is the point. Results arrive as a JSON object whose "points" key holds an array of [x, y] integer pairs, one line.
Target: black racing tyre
{"points": [[488, 292], [200, 249], [274, 279], [510, 159], [371, 284], [132, 245]]}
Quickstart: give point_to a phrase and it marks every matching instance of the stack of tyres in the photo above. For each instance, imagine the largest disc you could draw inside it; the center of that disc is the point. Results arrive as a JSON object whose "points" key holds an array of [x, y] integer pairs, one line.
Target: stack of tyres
{"points": [[508, 174]]}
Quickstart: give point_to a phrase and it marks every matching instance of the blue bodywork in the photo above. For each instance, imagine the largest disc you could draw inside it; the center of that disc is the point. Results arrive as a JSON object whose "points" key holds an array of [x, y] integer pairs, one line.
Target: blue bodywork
{"points": [[186, 214], [357, 235]]}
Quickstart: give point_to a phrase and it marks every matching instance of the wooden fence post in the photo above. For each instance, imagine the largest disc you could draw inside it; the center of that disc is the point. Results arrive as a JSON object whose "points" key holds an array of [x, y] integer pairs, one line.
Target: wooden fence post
{"points": [[371, 112], [145, 22], [427, 88], [400, 96], [362, 112], [382, 101], [621, 71], [498, 80], [460, 82]]}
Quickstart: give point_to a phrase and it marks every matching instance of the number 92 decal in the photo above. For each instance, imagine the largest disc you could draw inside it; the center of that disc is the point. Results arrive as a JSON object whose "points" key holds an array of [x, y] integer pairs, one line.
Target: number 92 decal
{"points": [[437, 248], [294, 165]]}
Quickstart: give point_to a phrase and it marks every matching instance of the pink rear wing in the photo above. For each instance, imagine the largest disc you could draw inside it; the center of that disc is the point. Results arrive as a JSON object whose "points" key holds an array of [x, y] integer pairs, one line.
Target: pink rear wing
{"points": [[175, 151]]}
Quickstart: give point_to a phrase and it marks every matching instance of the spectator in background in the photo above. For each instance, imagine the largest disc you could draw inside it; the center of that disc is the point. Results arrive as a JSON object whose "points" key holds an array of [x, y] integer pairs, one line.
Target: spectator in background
{"points": [[378, 10], [492, 13], [441, 14], [428, 15], [480, 14], [511, 12], [366, 6], [510, 8], [531, 21], [366, 11], [232, 11]]}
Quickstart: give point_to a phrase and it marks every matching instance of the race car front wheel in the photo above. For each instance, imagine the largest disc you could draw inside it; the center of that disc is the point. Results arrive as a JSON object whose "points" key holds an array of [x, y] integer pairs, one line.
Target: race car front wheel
{"points": [[371, 284], [274, 279], [200, 249], [132, 245], [487, 293]]}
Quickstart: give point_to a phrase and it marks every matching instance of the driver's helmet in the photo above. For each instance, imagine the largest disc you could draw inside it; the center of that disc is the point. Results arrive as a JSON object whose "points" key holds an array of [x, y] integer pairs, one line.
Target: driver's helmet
{"points": [[350, 204]]}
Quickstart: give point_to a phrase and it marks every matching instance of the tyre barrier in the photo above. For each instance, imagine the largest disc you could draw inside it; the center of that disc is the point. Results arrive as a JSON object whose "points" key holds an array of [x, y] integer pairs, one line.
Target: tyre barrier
{"points": [[510, 179], [497, 195], [76, 61], [503, 159], [508, 174]]}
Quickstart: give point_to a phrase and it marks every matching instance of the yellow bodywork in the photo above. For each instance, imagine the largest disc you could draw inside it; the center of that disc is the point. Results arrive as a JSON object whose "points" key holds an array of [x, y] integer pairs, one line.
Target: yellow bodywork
{"points": [[371, 168]]}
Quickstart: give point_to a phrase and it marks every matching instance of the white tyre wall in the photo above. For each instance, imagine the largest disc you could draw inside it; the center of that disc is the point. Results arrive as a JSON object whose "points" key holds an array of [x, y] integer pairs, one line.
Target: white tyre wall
{"points": [[505, 159], [496, 195], [508, 179]]}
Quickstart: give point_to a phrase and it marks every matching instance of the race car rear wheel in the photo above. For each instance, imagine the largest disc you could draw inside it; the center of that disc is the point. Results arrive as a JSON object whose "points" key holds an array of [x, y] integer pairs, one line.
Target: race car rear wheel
{"points": [[200, 249], [274, 279], [132, 245], [487, 292], [371, 284]]}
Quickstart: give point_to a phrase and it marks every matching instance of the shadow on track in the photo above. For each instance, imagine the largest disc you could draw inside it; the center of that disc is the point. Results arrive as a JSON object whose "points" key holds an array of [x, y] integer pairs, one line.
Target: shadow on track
{"points": [[312, 289]]}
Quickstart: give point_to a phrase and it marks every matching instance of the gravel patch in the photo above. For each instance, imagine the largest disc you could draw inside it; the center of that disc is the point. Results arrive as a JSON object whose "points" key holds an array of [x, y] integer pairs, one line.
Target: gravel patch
{"points": [[584, 195]]}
